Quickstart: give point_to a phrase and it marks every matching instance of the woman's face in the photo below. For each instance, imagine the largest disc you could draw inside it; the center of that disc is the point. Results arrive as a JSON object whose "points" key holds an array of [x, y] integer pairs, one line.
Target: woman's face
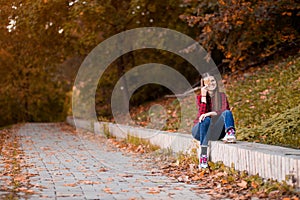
{"points": [[210, 82]]}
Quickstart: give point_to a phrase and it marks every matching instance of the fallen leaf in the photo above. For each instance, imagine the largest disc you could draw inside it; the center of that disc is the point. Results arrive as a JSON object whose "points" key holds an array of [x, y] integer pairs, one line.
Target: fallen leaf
{"points": [[228, 187], [254, 185], [125, 175], [22, 189], [29, 192], [102, 169], [178, 188], [108, 190], [89, 182], [243, 184], [196, 178], [153, 191], [70, 184], [224, 181]]}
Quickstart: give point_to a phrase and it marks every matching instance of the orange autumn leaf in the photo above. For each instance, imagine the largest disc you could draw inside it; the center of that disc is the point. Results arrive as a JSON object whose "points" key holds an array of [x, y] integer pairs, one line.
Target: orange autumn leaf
{"points": [[153, 191], [108, 190], [196, 178], [70, 184], [254, 185], [224, 181]]}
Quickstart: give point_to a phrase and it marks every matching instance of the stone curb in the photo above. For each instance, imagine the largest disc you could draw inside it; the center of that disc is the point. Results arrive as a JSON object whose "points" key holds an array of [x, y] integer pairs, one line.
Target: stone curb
{"points": [[177, 142], [268, 161]]}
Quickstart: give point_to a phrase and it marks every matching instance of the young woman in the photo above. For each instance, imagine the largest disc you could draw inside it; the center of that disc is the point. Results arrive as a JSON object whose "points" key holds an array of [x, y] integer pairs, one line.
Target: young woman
{"points": [[214, 120]]}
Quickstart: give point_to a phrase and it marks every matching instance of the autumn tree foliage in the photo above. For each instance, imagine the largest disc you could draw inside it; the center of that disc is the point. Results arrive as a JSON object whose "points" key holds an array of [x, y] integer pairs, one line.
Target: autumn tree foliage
{"points": [[43, 42], [99, 20], [40, 40], [31, 46], [247, 32]]}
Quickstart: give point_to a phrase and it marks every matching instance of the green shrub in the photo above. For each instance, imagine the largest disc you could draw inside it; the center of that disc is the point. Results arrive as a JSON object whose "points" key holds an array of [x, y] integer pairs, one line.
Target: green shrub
{"points": [[281, 129], [259, 94]]}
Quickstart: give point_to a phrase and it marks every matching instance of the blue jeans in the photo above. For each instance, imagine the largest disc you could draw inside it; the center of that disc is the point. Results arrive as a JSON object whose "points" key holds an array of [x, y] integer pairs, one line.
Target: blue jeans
{"points": [[213, 128]]}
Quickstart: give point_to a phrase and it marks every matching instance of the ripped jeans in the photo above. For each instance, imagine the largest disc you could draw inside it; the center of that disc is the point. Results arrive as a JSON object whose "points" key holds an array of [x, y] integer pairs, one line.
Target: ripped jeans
{"points": [[213, 128]]}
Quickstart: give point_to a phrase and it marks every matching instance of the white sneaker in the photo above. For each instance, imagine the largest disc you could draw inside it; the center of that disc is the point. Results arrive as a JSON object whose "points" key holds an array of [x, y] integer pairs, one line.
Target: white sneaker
{"points": [[203, 161], [229, 137]]}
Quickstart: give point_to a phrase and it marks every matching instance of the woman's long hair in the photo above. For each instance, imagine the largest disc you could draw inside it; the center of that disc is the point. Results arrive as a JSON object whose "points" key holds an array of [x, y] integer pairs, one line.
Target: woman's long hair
{"points": [[216, 99]]}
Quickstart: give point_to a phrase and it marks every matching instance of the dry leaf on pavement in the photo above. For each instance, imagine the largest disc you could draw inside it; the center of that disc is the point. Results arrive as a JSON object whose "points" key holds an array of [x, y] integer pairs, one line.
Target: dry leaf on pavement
{"points": [[153, 190]]}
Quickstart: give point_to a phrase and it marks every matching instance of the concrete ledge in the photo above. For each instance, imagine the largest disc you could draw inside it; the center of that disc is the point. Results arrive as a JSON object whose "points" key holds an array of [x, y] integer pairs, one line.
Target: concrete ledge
{"points": [[177, 142], [268, 161], [81, 123]]}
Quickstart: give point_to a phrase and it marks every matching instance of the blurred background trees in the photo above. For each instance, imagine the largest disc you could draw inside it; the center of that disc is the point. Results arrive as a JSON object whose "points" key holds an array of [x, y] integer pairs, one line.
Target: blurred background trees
{"points": [[31, 46], [43, 42], [245, 32]]}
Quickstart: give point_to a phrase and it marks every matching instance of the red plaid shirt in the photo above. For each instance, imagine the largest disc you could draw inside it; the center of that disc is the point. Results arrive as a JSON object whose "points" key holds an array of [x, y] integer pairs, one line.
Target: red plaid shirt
{"points": [[207, 107]]}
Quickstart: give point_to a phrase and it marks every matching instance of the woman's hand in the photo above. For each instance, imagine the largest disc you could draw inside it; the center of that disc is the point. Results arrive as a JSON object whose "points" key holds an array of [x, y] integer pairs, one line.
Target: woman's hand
{"points": [[209, 114], [204, 91], [202, 117]]}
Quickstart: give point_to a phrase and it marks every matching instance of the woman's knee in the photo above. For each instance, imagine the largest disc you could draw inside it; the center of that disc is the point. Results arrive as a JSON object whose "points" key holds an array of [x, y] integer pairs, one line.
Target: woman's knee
{"points": [[225, 112], [196, 132]]}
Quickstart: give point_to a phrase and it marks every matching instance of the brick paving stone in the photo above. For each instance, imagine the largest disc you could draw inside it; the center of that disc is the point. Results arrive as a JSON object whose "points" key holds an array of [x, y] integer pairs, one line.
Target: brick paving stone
{"points": [[70, 166]]}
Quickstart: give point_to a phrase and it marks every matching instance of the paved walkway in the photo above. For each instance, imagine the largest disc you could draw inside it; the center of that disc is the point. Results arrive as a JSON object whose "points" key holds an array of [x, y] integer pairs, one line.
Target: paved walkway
{"points": [[71, 166]]}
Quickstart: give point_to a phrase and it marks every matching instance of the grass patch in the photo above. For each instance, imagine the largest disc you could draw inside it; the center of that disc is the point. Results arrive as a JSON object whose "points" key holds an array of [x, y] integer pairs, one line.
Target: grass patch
{"points": [[145, 144], [280, 129], [266, 104], [106, 132], [263, 92]]}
